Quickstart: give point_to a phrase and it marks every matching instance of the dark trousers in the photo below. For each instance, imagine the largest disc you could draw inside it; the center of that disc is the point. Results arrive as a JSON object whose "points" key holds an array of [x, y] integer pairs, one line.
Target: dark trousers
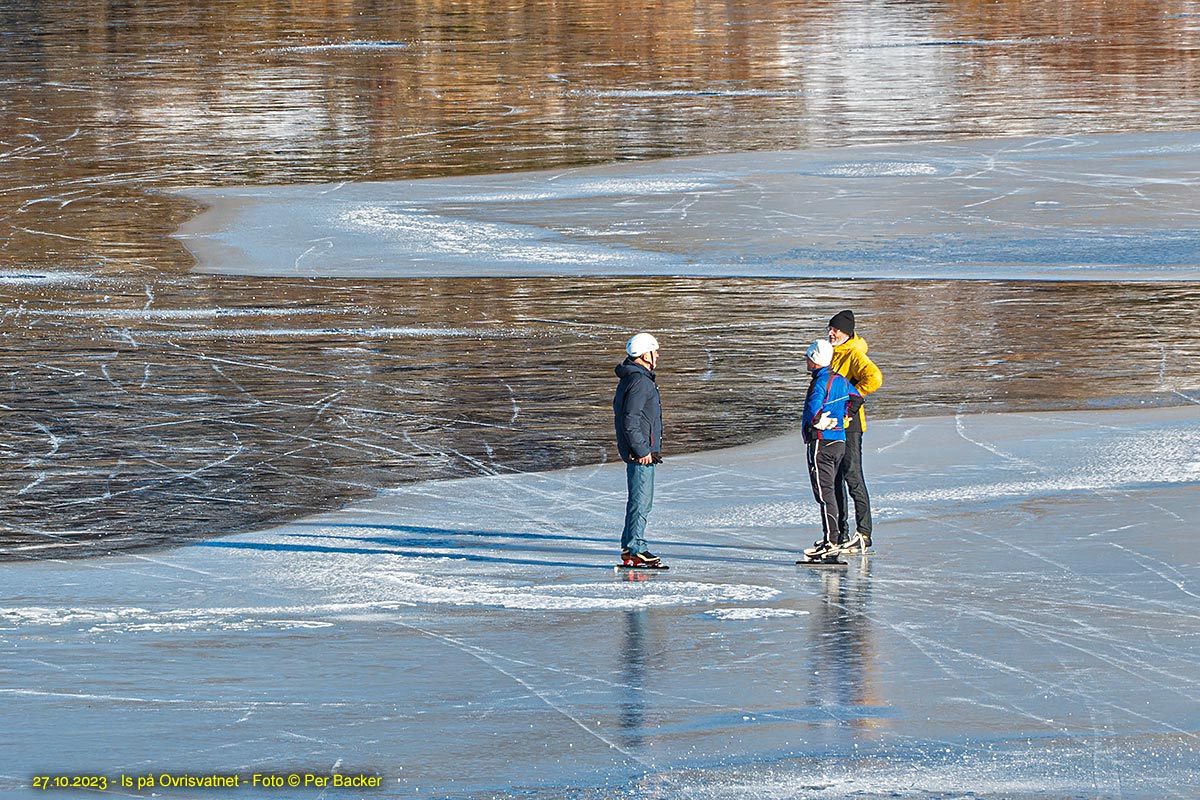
{"points": [[850, 477], [824, 460]]}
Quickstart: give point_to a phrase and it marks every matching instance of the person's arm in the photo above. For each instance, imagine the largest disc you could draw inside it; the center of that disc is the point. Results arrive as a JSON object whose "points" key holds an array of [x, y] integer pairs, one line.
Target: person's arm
{"points": [[854, 402], [867, 377]]}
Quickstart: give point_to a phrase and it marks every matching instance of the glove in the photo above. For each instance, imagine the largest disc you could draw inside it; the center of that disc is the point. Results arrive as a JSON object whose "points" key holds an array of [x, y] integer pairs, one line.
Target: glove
{"points": [[853, 405], [826, 422]]}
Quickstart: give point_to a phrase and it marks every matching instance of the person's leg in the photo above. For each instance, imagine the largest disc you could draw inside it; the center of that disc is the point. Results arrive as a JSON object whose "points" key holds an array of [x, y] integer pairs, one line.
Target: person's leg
{"points": [[824, 458], [843, 502], [639, 479], [856, 483]]}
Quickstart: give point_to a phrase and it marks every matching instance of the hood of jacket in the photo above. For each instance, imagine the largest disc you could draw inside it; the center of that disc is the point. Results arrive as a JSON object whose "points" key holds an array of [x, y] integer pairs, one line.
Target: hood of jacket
{"points": [[629, 367]]}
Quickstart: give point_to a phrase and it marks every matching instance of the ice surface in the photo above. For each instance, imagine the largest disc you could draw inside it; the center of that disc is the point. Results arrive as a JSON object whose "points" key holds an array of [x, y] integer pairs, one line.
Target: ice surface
{"points": [[1096, 208], [471, 638]]}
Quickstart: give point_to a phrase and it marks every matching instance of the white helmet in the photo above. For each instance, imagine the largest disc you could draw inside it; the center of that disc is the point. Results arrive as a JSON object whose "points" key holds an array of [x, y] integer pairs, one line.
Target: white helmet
{"points": [[640, 343], [821, 353]]}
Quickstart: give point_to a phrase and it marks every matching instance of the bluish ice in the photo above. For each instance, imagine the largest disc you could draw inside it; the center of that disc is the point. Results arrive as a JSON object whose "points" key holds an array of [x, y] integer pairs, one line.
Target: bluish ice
{"points": [[1110, 207], [1026, 629]]}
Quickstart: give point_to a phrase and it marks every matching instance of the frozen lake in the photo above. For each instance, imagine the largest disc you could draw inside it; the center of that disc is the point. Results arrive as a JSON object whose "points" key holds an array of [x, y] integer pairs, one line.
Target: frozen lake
{"points": [[1027, 629], [292, 511]]}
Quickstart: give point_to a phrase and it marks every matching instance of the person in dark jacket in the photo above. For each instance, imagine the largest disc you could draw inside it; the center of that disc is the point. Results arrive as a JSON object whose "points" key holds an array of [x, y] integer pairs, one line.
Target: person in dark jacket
{"points": [[637, 416], [823, 428]]}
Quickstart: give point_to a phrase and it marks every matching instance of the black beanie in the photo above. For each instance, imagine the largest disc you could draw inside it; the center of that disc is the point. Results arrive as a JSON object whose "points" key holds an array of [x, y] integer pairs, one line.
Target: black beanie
{"points": [[843, 321]]}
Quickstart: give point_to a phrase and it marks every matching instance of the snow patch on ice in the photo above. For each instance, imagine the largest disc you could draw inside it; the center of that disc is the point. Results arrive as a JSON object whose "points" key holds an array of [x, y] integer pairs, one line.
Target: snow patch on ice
{"points": [[882, 169], [11, 618], [133, 618], [422, 589], [228, 625], [754, 613], [428, 235], [567, 189], [1122, 461]]}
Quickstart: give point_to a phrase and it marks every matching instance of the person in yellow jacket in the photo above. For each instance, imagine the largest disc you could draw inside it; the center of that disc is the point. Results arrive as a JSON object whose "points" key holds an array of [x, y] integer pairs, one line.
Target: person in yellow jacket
{"points": [[851, 361]]}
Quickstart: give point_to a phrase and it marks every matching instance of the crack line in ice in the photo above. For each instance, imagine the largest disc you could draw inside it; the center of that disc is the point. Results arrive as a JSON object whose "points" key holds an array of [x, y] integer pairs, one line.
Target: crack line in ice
{"points": [[356, 46], [1138, 673], [1028, 628], [325, 243], [904, 437], [13, 277], [312, 333], [229, 705], [1039, 555], [1045, 685], [1146, 562], [170, 313]]}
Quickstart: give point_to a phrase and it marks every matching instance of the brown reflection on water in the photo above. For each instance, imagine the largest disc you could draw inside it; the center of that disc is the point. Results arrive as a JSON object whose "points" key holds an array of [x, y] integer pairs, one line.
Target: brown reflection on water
{"points": [[225, 413], [103, 102]]}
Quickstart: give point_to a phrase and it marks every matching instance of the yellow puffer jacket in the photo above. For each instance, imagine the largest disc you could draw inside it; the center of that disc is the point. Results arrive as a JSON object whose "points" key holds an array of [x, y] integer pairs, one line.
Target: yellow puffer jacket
{"points": [[850, 359]]}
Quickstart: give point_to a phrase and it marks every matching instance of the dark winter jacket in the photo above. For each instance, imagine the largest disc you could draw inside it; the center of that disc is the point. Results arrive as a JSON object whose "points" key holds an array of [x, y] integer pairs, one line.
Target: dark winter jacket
{"points": [[829, 392], [637, 412]]}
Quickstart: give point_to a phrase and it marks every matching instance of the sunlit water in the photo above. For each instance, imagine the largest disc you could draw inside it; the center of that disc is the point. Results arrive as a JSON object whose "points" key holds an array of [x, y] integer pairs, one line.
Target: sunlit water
{"points": [[145, 404]]}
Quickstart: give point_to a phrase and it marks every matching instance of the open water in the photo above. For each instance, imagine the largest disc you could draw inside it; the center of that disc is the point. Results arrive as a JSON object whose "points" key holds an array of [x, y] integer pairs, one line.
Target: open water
{"points": [[146, 405]]}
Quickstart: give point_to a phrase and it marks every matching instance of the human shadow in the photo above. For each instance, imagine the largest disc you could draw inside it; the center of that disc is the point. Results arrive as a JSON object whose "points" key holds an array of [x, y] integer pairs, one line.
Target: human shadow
{"points": [[433, 537], [387, 549], [426, 531]]}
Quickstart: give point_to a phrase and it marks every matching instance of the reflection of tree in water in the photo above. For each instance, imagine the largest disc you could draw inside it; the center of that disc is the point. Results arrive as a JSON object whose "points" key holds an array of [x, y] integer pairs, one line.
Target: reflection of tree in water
{"points": [[843, 654], [633, 676]]}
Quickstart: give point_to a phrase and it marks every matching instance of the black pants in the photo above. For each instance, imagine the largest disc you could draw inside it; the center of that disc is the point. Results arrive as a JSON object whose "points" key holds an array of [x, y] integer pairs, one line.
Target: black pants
{"points": [[850, 477], [824, 460]]}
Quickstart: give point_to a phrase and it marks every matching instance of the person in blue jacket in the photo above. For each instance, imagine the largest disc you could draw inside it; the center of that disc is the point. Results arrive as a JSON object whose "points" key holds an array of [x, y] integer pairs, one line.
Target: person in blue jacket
{"points": [[823, 428], [637, 417]]}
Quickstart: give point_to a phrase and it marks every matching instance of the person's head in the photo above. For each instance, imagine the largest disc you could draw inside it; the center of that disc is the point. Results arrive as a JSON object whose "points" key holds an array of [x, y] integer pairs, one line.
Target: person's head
{"points": [[643, 348], [841, 327], [819, 354]]}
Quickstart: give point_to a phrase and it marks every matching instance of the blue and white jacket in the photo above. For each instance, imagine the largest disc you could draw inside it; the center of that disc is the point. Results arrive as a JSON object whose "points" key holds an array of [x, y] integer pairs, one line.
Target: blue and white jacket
{"points": [[827, 392]]}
